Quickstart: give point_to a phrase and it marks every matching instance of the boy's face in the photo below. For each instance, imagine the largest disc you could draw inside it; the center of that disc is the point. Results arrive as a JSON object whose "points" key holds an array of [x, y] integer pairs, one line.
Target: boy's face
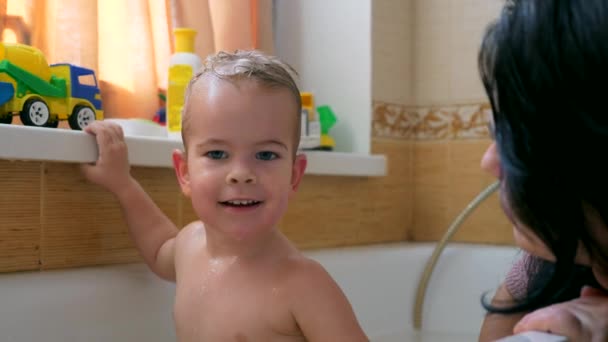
{"points": [[239, 169]]}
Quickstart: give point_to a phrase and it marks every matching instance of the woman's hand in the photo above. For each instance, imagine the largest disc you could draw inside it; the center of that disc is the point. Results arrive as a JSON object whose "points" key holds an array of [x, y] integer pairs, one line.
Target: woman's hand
{"points": [[581, 319]]}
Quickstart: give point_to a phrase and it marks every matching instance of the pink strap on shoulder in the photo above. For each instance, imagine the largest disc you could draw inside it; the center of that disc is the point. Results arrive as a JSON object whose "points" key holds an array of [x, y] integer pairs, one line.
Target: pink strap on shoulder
{"points": [[516, 281]]}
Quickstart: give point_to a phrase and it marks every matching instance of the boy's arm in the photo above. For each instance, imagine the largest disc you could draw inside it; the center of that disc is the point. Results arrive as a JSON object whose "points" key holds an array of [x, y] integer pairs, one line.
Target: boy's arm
{"points": [[320, 308], [151, 230]]}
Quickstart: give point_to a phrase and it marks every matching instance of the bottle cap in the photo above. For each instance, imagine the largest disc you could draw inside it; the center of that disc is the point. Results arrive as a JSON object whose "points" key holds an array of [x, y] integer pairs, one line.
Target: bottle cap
{"points": [[184, 39]]}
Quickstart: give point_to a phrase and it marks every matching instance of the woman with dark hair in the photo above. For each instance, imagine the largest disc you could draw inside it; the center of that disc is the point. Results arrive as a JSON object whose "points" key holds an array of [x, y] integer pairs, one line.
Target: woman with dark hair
{"points": [[544, 65]]}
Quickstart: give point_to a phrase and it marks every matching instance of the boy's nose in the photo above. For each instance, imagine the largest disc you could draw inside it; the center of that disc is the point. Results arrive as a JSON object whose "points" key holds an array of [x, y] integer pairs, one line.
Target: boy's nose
{"points": [[240, 175], [490, 161]]}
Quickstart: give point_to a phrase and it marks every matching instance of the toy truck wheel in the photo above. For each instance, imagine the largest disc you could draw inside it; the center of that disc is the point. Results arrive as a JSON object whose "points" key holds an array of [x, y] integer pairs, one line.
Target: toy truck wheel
{"points": [[35, 113], [81, 117]]}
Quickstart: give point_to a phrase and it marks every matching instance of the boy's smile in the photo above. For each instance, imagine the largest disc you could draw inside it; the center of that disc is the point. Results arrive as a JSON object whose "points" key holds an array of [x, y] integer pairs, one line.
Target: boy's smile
{"points": [[241, 203], [241, 206]]}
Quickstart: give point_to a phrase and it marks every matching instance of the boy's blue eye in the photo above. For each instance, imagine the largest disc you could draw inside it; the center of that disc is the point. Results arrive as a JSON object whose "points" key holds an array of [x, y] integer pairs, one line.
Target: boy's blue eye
{"points": [[216, 154], [266, 155]]}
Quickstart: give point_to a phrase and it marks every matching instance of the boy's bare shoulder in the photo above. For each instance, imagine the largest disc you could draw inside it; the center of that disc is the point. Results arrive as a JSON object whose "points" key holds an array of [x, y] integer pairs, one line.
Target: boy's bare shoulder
{"points": [[301, 271], [318, 305], [192, 233], [189, 243]]}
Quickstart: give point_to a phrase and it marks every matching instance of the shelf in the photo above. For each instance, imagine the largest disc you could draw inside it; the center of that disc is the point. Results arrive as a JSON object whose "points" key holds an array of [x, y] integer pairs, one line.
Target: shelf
{"points": [[64, 145]]}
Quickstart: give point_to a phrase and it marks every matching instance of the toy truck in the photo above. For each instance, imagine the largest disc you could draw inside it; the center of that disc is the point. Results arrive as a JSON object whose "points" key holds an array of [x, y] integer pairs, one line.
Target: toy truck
{"points": [[41, 94]]}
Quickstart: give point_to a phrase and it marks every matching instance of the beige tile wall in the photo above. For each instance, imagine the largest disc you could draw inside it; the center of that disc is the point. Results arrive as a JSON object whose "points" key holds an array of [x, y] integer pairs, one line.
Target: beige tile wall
{"points": [[443, 110], [392, 54], [447, 34], [448, 143], [425, 51]]}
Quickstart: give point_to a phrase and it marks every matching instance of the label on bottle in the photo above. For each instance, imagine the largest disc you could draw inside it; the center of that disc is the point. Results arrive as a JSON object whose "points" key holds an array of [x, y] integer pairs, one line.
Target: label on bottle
{"points": [[179, 77]]}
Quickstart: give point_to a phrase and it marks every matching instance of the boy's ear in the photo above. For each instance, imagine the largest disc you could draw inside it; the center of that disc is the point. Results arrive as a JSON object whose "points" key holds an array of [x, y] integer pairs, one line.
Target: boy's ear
{"points": [[297, 172], [181, 171]]}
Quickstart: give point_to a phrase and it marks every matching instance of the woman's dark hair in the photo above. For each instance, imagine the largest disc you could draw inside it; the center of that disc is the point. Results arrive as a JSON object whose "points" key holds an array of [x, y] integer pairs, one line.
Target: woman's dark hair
{"points": [[544, 65]]}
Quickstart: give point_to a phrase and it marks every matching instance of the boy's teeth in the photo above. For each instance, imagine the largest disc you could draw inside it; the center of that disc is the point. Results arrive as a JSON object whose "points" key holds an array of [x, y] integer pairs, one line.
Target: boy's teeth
{"points": [[247, 202]]}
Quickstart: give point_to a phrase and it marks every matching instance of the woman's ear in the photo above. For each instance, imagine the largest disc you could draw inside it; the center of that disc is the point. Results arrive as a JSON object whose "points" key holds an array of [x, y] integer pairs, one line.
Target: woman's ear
{"points": [[180, 165], [297, 172]]}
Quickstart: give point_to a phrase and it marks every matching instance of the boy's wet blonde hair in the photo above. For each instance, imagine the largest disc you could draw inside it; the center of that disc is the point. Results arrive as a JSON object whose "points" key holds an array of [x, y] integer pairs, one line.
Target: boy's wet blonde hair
{"points": [[266, 70]]}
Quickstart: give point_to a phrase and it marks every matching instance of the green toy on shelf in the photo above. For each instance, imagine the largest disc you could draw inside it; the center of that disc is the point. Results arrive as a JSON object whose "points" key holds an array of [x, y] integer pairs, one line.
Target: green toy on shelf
{"points": [[328, 119]]}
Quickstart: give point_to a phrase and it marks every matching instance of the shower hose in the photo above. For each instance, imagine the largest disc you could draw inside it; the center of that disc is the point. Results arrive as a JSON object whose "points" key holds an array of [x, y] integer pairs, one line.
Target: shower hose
{"points": [[426, 275]]}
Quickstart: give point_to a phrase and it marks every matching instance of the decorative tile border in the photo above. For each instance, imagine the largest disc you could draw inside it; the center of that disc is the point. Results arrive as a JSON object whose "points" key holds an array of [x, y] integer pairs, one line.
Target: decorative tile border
{"points": [[393, 121], [430, 123]]}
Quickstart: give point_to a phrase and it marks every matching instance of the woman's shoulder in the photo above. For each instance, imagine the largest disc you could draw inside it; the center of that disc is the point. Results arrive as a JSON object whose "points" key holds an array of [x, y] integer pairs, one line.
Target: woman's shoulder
{"points": [[517, 279], [529, 272]]}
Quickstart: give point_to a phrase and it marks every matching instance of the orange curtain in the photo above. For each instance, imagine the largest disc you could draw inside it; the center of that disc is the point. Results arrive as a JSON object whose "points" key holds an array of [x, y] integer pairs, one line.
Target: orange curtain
{"points": [[227, 25], [129, 42]]}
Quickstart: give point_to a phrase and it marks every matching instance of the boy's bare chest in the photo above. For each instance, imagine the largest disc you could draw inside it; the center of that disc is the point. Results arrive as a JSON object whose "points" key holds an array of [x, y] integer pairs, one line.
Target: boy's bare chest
{"points": [[227, 305]]}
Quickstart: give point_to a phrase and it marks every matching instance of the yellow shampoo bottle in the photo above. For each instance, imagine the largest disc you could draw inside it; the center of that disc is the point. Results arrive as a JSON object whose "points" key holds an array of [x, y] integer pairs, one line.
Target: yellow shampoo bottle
{"points": [[182, 66]]}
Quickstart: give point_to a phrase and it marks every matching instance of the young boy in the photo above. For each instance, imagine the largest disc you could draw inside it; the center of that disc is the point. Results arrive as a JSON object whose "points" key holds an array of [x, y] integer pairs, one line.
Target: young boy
{"points": [[237, 276]]}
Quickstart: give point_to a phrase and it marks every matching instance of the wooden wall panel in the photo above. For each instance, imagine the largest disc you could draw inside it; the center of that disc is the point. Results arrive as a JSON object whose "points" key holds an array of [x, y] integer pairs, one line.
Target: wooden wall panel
{"points": [[83, 224], [20, 222], [54, 218], [388, 213], [487, 224], [447, 177], [341, 211], [431, 189]]}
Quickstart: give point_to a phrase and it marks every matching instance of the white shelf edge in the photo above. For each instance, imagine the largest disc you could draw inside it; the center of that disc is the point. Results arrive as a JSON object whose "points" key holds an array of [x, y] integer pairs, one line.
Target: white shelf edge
{"points": [[64, 145]]}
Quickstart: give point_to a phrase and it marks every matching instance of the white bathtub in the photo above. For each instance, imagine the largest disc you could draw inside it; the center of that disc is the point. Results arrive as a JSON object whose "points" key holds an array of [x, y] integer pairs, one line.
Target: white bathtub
{"points": [[128, 303]]}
